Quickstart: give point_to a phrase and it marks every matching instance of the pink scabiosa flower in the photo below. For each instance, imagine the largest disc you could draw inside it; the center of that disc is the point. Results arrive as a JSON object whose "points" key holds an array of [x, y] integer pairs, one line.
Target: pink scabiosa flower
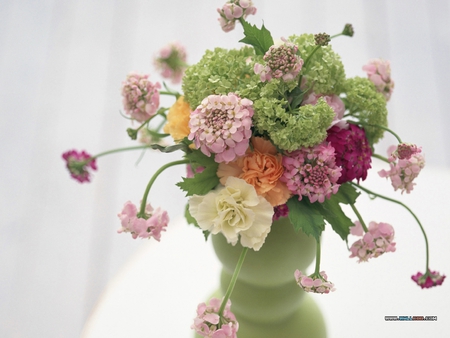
{"points": [[353, 152], [140, 96], [334, 102], [403, 172], [312, 283], [79, 164], [374, 243], [312, 172], [379, 72], [234, 10], [429, 279], [151, 224], [404, 151], [281, 62], [221, 125], [209, 323], [171, 62]]}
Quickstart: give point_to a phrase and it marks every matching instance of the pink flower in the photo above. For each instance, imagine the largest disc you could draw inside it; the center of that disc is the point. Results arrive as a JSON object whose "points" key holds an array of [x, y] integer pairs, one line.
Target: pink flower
{"points": [[151, 224], [334, 102], [140, 96], [232, 11], [379, 72], [209, 323], [312, 172], [353, 152], [404, 151], [374, 243], [79, 164], [221, 125], [403, 172], [312, 283], [429, 279], [171, 62]]}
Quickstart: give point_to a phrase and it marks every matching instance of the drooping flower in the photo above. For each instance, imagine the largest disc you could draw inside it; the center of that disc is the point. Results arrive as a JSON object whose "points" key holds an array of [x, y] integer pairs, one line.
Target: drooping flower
{"points": [[312, 283], [178, 120], [374, 243], [379, 72], [281, 62], [151, 224], [333, 101], [403, 172], [261, 167], [171, 62], [209, 323], [234, 10], [140, 96], [236, 211], [222, 125], [79, 164], [429, 279], [353, 152], [312, 172]]}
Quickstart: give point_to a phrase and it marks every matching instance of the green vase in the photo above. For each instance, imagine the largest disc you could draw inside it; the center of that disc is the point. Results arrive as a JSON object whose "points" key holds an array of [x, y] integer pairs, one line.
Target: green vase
{"points": [[266, 300]]}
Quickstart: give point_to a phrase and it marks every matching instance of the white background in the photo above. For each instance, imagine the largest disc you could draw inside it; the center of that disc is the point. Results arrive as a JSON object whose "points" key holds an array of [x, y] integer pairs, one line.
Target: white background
{"points": [[61, 66]]}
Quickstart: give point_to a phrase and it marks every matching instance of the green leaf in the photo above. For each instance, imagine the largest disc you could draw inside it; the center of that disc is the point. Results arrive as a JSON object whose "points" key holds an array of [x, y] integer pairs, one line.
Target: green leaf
{"points": [[306, 216], [346, 194], [260, 39], [189, 218], [333, 214], [169, 149]]}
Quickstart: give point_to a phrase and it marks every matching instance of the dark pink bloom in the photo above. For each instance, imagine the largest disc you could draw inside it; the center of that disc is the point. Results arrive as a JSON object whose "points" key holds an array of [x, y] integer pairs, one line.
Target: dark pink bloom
{"points": [[280, 211], [428, 280], [79, 164]]}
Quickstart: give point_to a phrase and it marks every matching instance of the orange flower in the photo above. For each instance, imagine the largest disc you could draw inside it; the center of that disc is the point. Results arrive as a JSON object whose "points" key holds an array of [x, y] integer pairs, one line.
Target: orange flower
{"points": [[260, 167], [178, 120]]}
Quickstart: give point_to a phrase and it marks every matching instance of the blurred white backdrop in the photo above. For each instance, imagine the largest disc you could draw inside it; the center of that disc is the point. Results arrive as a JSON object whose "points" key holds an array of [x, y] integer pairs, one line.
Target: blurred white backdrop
{"points": [[61, 66]]}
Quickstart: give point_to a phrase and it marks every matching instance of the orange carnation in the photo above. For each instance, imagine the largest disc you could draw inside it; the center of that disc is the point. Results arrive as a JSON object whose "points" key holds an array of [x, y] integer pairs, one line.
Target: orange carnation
{"points": [[178, 120], [260, 167]]}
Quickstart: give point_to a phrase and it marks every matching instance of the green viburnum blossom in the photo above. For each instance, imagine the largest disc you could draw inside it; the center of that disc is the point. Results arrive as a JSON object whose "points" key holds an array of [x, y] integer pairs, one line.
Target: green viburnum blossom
{"points": [[365, 103], [291, 130], [324, 71], [220, 72]]}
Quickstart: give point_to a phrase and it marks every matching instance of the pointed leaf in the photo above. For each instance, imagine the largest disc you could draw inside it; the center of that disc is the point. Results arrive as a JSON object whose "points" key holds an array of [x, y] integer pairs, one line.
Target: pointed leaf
{"points": [[346, 194], [305, 216], [333, 214], [260, 39]]}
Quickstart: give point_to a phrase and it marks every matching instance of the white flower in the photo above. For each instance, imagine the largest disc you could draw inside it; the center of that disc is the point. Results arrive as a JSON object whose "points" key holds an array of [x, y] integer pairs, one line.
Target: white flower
{"points": [[235, 210]]}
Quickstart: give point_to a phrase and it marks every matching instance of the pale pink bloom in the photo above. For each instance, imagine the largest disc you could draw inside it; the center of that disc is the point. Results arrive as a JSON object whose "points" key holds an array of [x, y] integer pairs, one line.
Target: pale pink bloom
{"points": [[374, 243], [403, 172], [429, 279], [79, 164], [140, 96], [144, 226], [379, 72], [232, 11], [404, 151], [334, 101], [316, 284], [221, 125], [171, 62], [208, 323]]}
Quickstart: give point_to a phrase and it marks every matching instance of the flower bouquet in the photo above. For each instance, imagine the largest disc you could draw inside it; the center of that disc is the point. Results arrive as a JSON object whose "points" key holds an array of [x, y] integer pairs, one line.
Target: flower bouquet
{"points": [[269, 132]]}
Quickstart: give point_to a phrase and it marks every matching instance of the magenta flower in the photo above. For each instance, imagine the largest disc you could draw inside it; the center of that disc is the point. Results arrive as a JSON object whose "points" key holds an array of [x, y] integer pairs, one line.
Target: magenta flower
{"points": [[379, 72], [280, 211], [209, 323], [353, 152], [312, 283], [403, 172], [374, 243], [281, 62], [79, 164], [234, 10], [171, 62], [221, 125], [312, 172], [428, 280], [149, 225], [140, 96]]}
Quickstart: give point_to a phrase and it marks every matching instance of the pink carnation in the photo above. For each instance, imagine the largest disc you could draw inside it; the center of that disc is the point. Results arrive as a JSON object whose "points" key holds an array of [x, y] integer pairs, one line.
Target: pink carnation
{"points": [[140, 96], [232, 11], [171, 62], [316, 284], [429, 279], [79, 165], [151, 224], [222, 125], [379, 72]]}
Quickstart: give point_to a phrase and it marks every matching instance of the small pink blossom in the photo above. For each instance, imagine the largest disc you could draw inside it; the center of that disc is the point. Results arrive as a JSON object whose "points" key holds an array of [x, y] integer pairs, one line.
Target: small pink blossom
{"points": [[232, 11], [374, 243], [403, 172], [171, 62], [221, 125], [334, 101], [151, 224], [140, 96], [209, 323], [379, 72], [79, 165], [280, 211], [429, 279], [312, 283], [404, 151]]}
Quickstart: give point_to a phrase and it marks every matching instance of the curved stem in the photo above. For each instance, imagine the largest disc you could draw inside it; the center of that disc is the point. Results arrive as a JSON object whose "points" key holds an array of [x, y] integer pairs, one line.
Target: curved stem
{"points": [[379, 126], [165, 92], [359, 217], [381, 158], [317, 268], [117, 151]]}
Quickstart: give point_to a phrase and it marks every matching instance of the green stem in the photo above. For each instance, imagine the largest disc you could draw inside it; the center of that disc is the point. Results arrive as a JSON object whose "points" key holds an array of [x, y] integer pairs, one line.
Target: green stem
{"points": [[141, 213], [116, 151], [381, 158], [381, 127], [233, 281], [317, 269], [165, 92], [359, 217], [407, 208]]}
